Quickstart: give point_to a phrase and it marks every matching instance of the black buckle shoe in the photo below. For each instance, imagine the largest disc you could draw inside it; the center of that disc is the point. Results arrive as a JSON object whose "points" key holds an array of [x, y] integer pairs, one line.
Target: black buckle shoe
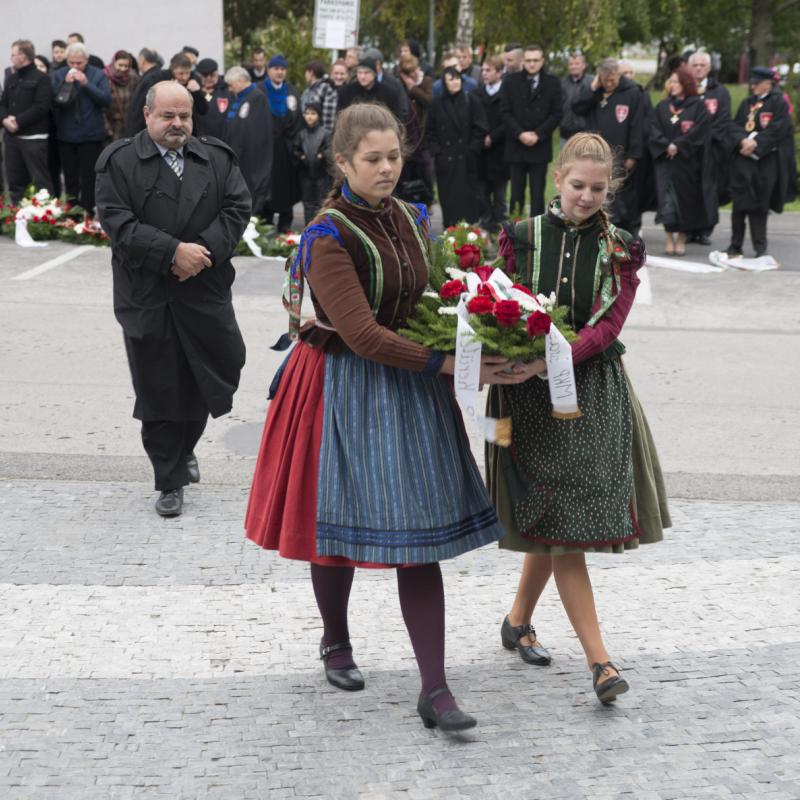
{"points": [[192, 468], [511, 637], [607, 691], [452, 720], [733, 251], [350, 679], [170, 503]]}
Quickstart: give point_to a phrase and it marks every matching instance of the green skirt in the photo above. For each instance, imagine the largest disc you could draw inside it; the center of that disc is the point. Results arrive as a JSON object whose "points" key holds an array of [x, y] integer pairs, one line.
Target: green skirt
{"points": [[592, 484]]}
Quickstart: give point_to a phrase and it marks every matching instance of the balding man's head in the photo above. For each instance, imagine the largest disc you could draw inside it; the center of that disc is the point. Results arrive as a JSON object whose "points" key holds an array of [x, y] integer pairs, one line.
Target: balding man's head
{"points": [[168, 114]]}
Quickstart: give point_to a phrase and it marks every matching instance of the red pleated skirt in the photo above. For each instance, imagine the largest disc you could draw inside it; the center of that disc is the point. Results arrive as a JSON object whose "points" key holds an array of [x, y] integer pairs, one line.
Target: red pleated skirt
{"points": [[282, 508]]}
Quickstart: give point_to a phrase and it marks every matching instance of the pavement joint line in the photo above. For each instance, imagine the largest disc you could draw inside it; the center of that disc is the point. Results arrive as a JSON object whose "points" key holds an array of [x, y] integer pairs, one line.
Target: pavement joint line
{"points": [[34, 272]]}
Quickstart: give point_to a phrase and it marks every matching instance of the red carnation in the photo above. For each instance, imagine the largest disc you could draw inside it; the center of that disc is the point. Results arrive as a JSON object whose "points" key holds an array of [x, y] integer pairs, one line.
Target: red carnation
{"points": [[480, 305], [522, 288], [468, 256], [508, 313], [452, 289], [484, 272], [538, 324]]}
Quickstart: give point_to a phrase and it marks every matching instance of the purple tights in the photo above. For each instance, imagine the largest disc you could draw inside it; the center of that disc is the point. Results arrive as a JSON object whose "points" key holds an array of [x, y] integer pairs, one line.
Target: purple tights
{"points": [[422, 603]]}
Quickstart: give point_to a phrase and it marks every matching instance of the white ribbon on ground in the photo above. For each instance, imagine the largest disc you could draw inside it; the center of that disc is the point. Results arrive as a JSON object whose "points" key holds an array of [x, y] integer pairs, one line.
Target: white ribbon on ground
{"points": [[680, 264], [249, 238], [22, 237], [721, 259]]}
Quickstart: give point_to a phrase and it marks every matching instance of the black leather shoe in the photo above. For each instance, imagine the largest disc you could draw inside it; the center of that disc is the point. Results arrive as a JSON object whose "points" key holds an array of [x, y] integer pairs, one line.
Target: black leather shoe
{"points": [[607, 691], [511, 637], [733, 252], [760, 253], [449, 721], [170, 503], [349, 679], [192, 468]]}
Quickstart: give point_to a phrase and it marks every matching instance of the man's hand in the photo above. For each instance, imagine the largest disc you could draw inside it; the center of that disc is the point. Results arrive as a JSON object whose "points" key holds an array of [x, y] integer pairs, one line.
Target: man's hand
{"points": [[596, 83], [190, 260], [672, 150], [529, 138], [10, 124], [487, 141], [630, 164], [80, 77], [747, 147], [193, 86]]}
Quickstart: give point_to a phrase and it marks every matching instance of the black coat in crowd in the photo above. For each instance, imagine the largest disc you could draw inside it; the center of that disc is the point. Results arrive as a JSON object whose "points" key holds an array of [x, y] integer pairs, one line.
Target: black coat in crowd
{"points": [[761, 183], [180, 336], [492, 165], [718, 104], [27, 96], [456, 129], [135, 122], [212, 123], [354, 92], [285, 185], [619, 118], [572, 122], [249, 132], [539, 110], [687, 198]]}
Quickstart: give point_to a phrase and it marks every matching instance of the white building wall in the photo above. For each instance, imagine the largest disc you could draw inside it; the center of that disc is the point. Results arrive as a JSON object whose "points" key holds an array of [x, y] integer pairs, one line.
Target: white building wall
{"points": [[166, 25]]}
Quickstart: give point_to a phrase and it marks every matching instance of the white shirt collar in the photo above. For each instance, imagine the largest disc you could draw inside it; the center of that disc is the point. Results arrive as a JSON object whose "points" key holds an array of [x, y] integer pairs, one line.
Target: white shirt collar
{"points": [[492, 88], [163, 150]]}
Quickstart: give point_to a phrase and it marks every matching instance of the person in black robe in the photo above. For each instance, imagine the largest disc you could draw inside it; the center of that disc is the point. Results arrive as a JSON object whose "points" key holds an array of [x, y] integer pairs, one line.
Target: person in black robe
{"points": [[366, 89], [718, 104], [760, 141], [175, 208], [612, 106], [284, 103], [215, 92], [492, 168], [679, 138], [248, 130], [456, 131]]}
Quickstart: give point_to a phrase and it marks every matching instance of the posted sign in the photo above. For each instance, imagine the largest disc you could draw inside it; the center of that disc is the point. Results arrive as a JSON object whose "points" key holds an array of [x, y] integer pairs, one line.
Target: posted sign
{"points": [[336, 24]]}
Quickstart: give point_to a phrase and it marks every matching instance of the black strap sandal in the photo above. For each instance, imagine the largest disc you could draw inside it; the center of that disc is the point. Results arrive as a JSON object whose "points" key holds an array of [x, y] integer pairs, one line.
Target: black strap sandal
{"points": [[608, 690], [350, 678], [511, 637]]}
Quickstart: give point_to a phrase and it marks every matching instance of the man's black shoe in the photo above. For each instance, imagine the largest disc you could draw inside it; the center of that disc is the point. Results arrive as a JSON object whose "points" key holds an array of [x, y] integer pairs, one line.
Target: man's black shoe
{"points": [[733, 251], [192, 468], [703, 239], [170, 503]]}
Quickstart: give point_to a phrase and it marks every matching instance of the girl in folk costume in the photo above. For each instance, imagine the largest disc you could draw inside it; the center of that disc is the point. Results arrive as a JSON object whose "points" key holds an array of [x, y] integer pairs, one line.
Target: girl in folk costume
{"points": [[364, 460], [679, 137], [592, 483]]}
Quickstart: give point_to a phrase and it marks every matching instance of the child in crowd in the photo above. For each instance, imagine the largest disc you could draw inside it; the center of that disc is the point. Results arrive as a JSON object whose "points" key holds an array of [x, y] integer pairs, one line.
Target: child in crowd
{"points": [[310, 151]]}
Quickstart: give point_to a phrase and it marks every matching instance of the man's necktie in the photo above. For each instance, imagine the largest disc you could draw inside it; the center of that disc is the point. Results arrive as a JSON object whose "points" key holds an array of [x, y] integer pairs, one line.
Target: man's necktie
{"points": [[175, 163]]}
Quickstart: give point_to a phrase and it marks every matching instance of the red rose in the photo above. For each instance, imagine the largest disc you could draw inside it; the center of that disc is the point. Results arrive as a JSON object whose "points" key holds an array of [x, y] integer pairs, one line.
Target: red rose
{"points": [[480, 305], [468, 256], [484, 272], [452, 289], [538, 324], [508, 313], [522, 288]]}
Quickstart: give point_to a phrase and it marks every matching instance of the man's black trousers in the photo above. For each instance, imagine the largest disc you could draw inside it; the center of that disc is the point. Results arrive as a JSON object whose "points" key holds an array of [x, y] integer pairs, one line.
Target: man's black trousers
{"points": [[168, 445]]}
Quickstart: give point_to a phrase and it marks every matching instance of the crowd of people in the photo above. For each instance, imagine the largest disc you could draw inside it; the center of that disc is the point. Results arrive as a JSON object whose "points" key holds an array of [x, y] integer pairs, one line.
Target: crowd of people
{"points": [[471, 132]]}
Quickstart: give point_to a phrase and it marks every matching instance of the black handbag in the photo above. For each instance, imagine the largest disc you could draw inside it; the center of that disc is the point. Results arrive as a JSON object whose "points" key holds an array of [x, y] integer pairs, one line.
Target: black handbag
{"points": [[66, 95]]}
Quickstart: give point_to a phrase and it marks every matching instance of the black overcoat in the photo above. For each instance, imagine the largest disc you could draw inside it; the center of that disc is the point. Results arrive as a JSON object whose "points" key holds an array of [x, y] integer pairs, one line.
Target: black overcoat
{"points": [[184, 346], [718, 104], [492, 164], [761, 183], [284, 183], [687, 195], [456, 128], [212, 123], [524, 110], [249, 130], [619, 119]]}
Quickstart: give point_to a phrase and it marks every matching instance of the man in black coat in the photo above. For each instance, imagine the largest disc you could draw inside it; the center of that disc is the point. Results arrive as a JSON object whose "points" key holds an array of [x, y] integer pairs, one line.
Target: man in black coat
{"points": [[718, 104], [366, 89], [492, 168], [612, 106], [532, 111], [215, 92], [175, 208], [25, 115], [760, 140]]}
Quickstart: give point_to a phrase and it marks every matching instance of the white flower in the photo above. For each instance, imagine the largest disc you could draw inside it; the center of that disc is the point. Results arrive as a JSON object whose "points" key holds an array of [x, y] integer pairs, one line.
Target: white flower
{"points": [[451, 239], [447, 311], [80, 228], [472, 237], [253, 220], [548, 303], [430, 294], [456, 274]]}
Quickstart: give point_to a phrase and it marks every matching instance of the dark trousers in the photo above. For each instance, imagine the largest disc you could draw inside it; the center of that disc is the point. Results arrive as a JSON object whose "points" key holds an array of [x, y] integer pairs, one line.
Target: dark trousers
{"points": [[313, 192], [168, 445], [26, 162], [536, 176], [77, 161], [758, 230], [284, 218], [492, 203]]}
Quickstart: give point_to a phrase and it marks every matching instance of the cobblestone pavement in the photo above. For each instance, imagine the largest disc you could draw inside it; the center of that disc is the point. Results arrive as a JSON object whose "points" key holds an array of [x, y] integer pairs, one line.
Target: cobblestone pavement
{"points": [[143, 657]]}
